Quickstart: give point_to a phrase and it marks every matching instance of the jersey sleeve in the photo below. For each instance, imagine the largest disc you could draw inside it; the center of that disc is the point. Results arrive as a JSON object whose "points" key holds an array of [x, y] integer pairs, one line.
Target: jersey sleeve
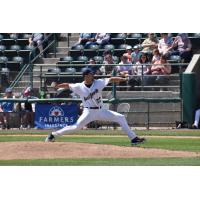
{"points": [[75, 87], [103, 83]]}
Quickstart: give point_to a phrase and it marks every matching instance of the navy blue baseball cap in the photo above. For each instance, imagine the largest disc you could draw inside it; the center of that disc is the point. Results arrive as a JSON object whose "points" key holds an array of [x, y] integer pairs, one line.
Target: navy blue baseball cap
{"points": [[87, 71]]}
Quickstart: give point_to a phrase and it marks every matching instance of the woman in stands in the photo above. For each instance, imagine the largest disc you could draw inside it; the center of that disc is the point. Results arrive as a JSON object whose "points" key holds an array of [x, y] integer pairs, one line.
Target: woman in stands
{"points": [[159, 72], [156, 56], [125, 67], [128, 52], [165, 45], [184, 47], [141, 68]]}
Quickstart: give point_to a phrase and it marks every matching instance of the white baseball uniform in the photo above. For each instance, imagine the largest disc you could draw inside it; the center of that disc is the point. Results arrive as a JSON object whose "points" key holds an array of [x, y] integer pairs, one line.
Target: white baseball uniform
{"points": [[93, 108], [197, 117]]}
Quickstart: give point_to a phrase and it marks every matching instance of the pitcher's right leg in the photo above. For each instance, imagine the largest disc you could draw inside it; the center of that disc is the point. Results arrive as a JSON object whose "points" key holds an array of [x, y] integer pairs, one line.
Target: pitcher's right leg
{"points": [[83, 120]]}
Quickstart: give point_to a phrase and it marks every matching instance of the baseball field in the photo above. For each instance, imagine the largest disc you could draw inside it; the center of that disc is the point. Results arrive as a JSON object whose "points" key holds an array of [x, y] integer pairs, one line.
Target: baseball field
{"points": [[100, 148]]}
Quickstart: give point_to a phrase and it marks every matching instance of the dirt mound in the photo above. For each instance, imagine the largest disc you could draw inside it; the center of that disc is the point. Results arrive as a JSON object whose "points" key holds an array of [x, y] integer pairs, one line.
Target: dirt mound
{"points": [[42, 150]]}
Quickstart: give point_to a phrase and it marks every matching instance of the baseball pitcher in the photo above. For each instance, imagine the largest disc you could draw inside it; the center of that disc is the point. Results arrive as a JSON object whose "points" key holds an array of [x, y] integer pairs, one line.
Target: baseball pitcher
{"points": [[90, 92]]}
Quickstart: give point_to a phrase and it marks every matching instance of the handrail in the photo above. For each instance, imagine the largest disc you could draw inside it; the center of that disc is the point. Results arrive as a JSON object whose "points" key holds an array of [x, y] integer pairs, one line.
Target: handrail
{"points": [[26, 66], [17, 78], [121, 100], [36, 57]]}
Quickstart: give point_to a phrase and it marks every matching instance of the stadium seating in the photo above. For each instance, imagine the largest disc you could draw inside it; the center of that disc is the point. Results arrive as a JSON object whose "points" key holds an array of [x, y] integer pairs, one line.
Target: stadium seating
{"points": [[2, 49], [120, 50], [8, 42], [66, 60], [98, 59], [134, 39], [15, 64], [118, 39], [91, 51], [12, 51], [175, 59], [76, 51], [107, 47]]}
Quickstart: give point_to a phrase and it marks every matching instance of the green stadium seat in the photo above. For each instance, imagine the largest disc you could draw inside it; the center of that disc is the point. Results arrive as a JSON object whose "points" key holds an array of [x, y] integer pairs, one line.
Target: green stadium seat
{"points": [[115, 59], [120, 50], [15, 63], [3, 61], [64, 60], [18, 59], [76, 51], [133, 39], [8, 42], [83, 59], [2, 49], [107, 47], [1, 37], [118, 38], [91, 50], [98, 59], [13, 51], [25, 53]]}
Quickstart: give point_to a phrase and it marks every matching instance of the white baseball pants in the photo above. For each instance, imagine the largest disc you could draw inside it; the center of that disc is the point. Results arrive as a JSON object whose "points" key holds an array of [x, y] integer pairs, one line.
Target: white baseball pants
{"points": [[90, 115], [197, 116]]}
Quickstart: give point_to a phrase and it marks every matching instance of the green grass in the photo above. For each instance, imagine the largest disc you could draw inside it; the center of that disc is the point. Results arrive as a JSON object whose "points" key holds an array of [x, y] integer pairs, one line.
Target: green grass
{"points": [[110, 138], [170, 132], [106, 162], [162, 143]]}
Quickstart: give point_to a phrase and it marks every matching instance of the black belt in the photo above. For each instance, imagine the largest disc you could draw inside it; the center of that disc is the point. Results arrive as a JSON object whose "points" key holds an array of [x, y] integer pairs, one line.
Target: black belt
{"points": [[93, 107]]}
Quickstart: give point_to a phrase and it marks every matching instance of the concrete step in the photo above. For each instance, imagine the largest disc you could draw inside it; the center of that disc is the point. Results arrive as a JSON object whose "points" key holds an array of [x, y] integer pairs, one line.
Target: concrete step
{"points": [[65, 43], [62, 49], [144, 94], [36, 69], [58, 55], [49, 60]]}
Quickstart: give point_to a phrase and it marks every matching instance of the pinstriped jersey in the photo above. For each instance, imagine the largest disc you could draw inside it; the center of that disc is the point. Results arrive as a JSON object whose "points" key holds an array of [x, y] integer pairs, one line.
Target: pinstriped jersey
{"points": [[90, 96]]}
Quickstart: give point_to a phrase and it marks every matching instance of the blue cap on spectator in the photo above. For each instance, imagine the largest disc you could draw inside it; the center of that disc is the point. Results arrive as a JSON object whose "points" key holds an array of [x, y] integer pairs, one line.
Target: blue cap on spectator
{"points": [[8, 90], [87, 71]]}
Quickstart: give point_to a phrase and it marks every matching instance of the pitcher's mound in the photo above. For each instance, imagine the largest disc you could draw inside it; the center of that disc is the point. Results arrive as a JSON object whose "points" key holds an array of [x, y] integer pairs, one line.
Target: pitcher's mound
{"points": [[42, 150]]}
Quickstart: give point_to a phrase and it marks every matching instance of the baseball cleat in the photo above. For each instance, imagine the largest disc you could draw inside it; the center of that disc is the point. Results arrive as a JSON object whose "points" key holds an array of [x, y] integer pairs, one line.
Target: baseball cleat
{"points": [[194, 126], [50, 138], [137, 140]]}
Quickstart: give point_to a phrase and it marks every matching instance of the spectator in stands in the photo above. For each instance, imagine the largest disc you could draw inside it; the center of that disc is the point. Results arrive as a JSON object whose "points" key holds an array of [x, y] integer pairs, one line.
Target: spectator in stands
{"points": [[86, 39], [150, 43], [125, 68], [165, 45], [107, 68], [135, 55], [184, 47], [27, 110], [196, 120], [128, 52], [6, 108], [36, 41], [160, 67], [102, 38], [141, 68], [156, 56], [94, 66]]}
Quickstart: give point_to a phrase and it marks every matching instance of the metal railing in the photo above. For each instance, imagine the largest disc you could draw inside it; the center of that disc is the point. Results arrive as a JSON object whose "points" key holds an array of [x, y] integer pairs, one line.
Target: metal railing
{"points": [[147, 122], [32, 60]]}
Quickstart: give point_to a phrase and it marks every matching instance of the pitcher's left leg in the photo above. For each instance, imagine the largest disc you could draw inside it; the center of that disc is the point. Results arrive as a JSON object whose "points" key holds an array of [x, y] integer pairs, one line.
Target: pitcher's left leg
{"points": [[108, 115]]}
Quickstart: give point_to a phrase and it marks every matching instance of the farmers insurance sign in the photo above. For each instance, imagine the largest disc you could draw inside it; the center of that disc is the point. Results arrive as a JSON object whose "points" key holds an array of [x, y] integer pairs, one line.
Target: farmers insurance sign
{"points": [[49, 116]]}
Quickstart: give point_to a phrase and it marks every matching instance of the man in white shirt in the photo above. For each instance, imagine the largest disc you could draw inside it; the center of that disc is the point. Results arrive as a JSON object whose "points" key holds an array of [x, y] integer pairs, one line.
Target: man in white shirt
{"points": [[90, 92]]}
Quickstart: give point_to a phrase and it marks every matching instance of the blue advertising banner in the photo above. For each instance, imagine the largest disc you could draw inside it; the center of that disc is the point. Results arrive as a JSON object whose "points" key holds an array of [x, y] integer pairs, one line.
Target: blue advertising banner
{"points": [[48, 116]]}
